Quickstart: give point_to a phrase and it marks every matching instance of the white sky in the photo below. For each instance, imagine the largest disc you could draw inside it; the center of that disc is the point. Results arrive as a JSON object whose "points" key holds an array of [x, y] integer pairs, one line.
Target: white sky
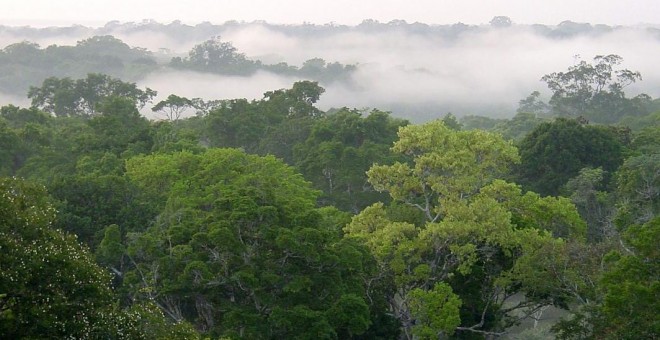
{"points": [[98, 12]]}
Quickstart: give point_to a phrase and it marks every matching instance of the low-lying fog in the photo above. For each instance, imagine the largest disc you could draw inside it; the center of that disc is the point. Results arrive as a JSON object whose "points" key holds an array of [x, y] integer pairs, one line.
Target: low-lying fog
{"points": [[485, 71]]}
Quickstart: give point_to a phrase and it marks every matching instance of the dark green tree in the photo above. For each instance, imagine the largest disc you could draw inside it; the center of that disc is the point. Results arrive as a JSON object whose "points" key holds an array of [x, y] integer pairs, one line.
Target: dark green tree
{"points": [[65, 97], [51, 287], [555, 152], [629, 287], [340, 149], [239, 249]]}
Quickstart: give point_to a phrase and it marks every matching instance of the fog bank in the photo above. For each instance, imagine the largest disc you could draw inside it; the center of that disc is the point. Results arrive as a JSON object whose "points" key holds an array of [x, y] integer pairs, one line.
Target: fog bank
{"points": [[415, 70]]}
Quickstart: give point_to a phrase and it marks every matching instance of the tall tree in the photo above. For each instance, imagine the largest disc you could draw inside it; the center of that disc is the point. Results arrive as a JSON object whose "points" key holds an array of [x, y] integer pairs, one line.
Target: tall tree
{"points": [[554, 152], [65, 97], [475, 236], [215, 55], [239, 249], [340, 149], [51, 287], [594, 91], [173, 106]]}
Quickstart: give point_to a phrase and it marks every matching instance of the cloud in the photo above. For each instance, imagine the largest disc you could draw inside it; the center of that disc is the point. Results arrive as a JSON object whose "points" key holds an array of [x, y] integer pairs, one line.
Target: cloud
{"points": [[485, 71], [7, 99], [418, 75]]}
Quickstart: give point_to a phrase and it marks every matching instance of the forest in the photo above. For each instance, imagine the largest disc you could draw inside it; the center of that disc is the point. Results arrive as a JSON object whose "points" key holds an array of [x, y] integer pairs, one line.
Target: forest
{"points": [[272, 218]]}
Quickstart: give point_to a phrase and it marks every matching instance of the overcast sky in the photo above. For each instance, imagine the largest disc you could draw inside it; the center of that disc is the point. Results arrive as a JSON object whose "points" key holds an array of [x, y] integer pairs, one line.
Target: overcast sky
{"points": [[98, 12]]}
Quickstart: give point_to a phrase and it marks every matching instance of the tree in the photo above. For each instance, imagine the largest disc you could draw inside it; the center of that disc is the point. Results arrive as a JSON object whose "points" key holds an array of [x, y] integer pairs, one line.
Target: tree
{"points": [[519, 126], [631, 287], [533, 104], [554, 152], [319, 70], [594, 91], [215, 55], [173, 106], [638, 187], [24, 133], [9, 149], [290, 114], [239, 249], [65, 97], [273, 125], [475, 236], [500, 21], [340, 149], [55, 96], [436, 311], [627, 305], [594, 204], [237, 123], [50, 286], [295, 102], [120, 128], [451, 122], [468, 161]]}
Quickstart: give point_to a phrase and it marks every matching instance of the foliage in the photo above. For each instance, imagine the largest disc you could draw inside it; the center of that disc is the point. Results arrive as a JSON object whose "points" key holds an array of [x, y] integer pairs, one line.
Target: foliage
{"points": [[518, 126], [594, 91], [340, 149], [629, 287], [233, 245], [555, 152], [26, 64], [273, 125], [66, 97], [23, 134], [173, 106], [475, 227], [595, 205], [50, 286], [436, 311], [533, 104], [472, 122], [638, 180], [239, 250], [216, 56]]}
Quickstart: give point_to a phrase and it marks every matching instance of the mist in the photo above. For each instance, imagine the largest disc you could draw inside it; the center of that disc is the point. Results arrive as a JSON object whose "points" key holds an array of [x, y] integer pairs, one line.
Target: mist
{"points": [[420, 77], [484, 70], [10, 99]]}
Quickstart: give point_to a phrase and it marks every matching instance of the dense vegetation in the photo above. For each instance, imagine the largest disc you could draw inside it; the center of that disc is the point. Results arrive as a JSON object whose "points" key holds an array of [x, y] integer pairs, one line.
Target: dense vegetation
{"points": [[272, 219], [26, 64]]}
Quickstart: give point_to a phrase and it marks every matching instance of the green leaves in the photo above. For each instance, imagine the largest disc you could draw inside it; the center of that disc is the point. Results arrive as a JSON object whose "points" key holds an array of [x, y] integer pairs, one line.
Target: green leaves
{"points": [[478, 228], [66, 97], [556, 151], [594, 91], [447, 163], [50, 286], [435, 310], [241, 233]]}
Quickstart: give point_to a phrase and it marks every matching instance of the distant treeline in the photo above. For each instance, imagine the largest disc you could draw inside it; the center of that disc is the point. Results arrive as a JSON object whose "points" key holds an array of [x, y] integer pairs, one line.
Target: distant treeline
{"points": [[203, 31], [25, 64]]}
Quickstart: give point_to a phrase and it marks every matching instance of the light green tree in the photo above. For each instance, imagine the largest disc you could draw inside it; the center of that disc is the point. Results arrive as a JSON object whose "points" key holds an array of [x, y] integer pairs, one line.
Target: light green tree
{"points": [[476, 228]]}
